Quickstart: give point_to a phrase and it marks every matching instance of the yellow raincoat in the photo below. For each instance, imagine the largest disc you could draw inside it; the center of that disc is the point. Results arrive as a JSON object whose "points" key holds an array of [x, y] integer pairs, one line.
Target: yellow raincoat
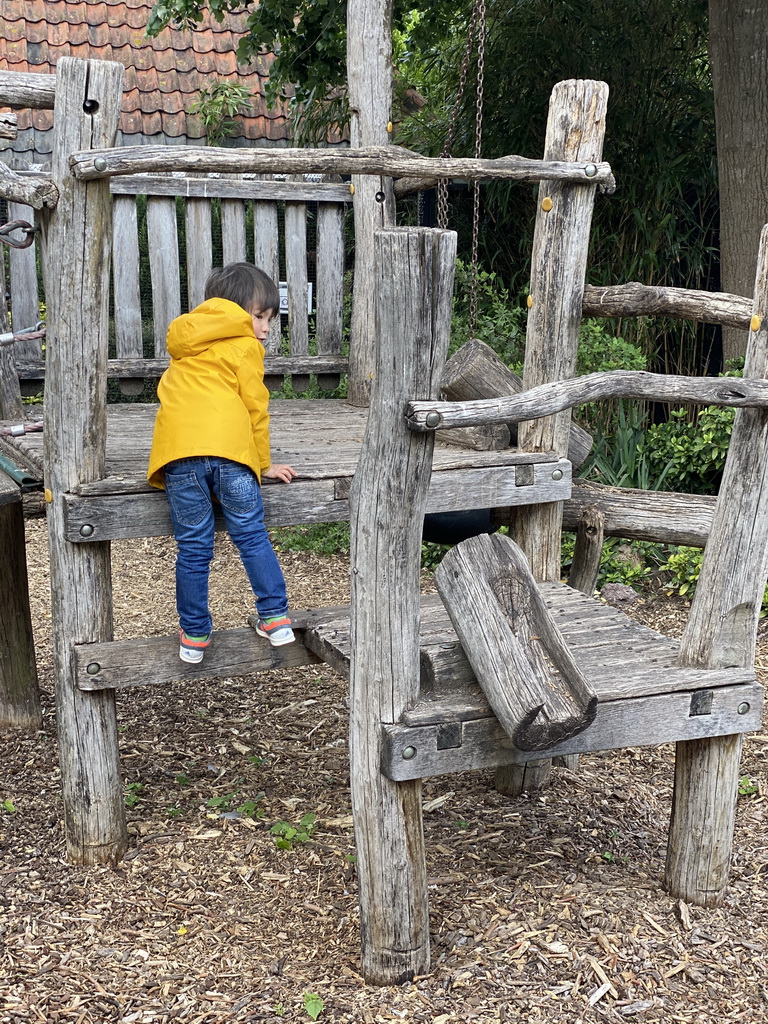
{"points": [[213, 400]]}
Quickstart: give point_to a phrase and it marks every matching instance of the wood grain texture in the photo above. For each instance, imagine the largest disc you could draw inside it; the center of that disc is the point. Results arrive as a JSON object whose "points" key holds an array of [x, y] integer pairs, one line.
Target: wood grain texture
{"points": [[231, 188], [575, 131], [77, 259], [635, 299], [587, 551], [164, 268], [517, 653], [27, 89], [414, 278]]}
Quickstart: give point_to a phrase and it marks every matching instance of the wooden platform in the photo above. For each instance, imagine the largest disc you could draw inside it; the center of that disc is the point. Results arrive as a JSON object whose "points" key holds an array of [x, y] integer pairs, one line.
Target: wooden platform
{"points": [[644, 698], [321, 439]]}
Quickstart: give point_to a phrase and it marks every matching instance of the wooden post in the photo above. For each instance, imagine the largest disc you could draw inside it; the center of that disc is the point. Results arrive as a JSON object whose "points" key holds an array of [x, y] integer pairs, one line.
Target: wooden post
{"points": [[369, 80], [575, 131], [414, 282], [585, 568], [721, 632], [77, 255], [11, 406], [19, 693]]}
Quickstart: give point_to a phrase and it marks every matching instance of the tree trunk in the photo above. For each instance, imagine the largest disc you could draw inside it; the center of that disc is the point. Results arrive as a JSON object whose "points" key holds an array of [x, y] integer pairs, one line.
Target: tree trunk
{"points": [[738, 51]]}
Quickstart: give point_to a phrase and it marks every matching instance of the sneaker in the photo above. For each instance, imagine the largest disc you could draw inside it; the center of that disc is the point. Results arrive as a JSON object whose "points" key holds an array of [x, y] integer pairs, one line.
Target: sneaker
{"points": [[192, 648], [277, 630]]}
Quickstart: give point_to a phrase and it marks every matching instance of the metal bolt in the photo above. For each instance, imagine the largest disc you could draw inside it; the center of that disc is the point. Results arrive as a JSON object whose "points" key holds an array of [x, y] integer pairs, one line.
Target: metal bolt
{"points": [[86, 530], [409, 753], [100, 163], [743, 708], [380, 197], [433, 419], [93, 669], [590, 170], [557, 474]]}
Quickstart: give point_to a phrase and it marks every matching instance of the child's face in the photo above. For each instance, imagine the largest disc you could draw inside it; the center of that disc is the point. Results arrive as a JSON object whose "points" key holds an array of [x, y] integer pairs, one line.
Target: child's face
{"points": [[262, 318]]}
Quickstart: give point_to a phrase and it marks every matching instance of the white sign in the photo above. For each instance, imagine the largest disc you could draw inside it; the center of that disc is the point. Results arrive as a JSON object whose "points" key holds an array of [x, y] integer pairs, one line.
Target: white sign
{"points": [[284, 297]]}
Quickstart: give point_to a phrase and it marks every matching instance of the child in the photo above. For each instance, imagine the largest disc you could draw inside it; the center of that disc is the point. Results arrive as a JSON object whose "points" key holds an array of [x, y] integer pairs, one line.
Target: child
{"points": [[211, 443]]}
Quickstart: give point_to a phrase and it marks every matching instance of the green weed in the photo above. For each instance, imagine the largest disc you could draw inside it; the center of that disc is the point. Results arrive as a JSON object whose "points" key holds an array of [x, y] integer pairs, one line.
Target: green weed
{"points": [[287, 835]]}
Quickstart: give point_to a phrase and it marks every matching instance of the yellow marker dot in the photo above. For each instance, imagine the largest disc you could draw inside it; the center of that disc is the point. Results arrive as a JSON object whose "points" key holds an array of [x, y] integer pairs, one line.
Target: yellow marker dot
{"points": [[351, 190], [754, 323], [48, 496], [389, 127], [546, 204], [529, 301]]}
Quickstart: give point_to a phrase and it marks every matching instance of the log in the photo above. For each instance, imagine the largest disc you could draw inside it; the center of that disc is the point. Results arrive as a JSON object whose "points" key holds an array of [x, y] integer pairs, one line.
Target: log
{"points": [[19, 691], [77, 237], [585, 567], [231, 188], [414, 280], [558, 396], [11, 405], [27, 89], [374, 159], [575, 131], [36, 191], [721, 632], [516, 651], [8, 125], [475, 371], [635, 299]]}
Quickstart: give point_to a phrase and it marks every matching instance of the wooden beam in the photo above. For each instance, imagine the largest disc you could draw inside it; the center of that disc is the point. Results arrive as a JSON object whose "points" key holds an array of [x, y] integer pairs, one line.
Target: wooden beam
{"points": [[76, 258], [635, 299], [557, 396], [27, 89], [585, 568], [414, 279], [231, 188], [28, 190], [377, 160]]}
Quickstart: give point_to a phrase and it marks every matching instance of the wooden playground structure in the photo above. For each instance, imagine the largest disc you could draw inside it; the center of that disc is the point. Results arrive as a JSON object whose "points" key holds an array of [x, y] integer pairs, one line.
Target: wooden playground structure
{"points": [[542, 670]]}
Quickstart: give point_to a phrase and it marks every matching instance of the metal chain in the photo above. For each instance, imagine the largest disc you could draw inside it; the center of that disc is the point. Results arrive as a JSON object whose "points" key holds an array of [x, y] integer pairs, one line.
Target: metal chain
{"points": [[20, 225], [442, 185], [479, 102]]}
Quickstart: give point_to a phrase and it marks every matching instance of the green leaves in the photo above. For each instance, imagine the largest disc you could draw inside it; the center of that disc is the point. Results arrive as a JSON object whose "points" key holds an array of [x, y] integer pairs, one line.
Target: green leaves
{"points": [[313, 1004], [217, 106], [288, 835]]}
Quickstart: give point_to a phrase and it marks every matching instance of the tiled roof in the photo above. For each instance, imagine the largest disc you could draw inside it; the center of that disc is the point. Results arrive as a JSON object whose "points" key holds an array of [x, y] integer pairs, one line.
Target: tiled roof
{"points": [[163, 76]]}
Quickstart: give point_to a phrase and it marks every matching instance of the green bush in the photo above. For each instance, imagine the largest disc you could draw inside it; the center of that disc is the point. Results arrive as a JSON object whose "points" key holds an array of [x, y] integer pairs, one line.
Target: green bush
{"points": [[691, 452]]}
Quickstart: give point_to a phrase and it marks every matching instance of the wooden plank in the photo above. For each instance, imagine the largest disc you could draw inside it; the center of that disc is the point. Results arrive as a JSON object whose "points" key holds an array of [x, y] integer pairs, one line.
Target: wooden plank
{"points": [[273, 365], [266, 254], [77, 260], [329, 284], [163, 238], [575, 131], [721, 631], [518, 655], [27, 89], [296, 276], [11, 405], [232, 231], [270, 192], [25, 301], [199, 238], [413, 284], [127, 291], [19, 690], [415, 752], [588, 550], [154, 661]]}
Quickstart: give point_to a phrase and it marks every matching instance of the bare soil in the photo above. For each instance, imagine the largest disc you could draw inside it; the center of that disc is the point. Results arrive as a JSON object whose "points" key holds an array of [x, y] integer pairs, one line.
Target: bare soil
{"points": [[545, 909]]}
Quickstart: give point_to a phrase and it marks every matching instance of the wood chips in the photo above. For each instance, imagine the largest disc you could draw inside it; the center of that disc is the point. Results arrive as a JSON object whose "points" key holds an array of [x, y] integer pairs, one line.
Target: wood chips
{"points": [[548, 909]]}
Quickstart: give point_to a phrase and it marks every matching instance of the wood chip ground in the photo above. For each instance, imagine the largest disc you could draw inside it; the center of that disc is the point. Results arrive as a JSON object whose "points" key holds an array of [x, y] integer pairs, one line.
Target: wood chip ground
{"points": [[547, 909]]}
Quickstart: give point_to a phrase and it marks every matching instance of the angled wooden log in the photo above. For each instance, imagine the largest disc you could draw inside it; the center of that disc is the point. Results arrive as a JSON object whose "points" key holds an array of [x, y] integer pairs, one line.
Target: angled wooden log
{"points": [[518, 654], [633, 299], [475, 371]]}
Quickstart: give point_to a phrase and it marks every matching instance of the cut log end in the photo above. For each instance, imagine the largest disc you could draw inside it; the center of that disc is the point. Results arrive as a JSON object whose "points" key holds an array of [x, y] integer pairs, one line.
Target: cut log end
{"points": [[538, 731]]}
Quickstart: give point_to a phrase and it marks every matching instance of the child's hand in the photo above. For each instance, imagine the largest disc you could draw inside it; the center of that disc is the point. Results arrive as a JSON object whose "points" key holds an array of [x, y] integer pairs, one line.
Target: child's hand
{"points": [[279, 472]]}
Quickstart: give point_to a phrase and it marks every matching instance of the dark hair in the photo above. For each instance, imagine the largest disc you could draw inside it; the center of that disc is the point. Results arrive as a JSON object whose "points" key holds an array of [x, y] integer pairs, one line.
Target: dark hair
{"points": [[244, 284]]}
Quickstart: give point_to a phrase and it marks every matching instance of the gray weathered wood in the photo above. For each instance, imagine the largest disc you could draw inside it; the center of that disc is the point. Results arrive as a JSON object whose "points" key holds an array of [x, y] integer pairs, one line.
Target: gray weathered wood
{"points": [[575, 131], [11, 406], [517, 653], [492, 438], [329, 287], [154, 661], [77, 259], [163, 243], [231, 188], [27, 89], [369, 81], [365, 159], [25, 302], [232, 230], [127, 288], [721, 632], [9, 126], [414, 278], [628, 722], [27, 190], [298, 283], [557, 396], [635, 299], [19, 691], [199, 238], [475, 371], [266, 249], [588, 550]]}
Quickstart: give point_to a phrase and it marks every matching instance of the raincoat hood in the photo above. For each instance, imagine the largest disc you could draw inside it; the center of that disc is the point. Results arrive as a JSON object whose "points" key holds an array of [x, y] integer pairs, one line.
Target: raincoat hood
{"points": [[214, 321]]}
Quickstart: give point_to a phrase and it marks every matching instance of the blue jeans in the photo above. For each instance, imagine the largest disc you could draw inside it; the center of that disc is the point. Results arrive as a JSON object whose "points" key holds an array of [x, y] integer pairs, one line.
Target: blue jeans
{"points": [[191, 485]]}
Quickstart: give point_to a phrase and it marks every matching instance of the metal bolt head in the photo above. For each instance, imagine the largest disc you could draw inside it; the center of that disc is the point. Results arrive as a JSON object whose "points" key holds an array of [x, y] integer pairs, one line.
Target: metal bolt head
{"points": [[743, 708], [100, 163], [557, 474], [380, 197], [93, 668], [433, 419], [409, 753], [590, 170], [86, 530]]}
